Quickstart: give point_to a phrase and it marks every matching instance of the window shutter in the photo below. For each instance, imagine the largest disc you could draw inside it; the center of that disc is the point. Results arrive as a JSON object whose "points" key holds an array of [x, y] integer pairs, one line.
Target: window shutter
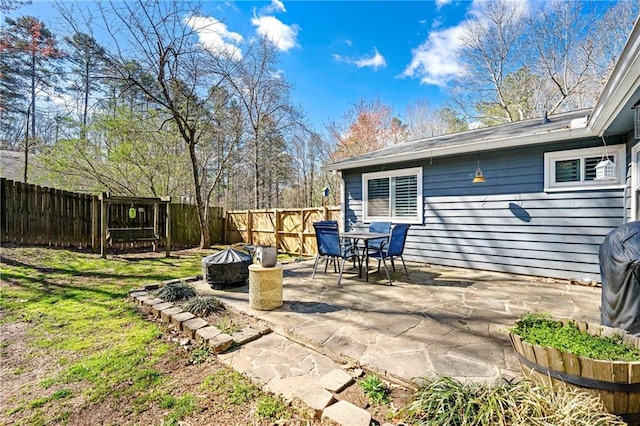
{"points": [[406, 196], [378, 197], [568, 171]]}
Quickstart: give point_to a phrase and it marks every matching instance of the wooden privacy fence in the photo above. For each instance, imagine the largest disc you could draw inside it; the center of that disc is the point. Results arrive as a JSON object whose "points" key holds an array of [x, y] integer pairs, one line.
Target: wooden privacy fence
{"points": [[289, 230], [31, 214]]}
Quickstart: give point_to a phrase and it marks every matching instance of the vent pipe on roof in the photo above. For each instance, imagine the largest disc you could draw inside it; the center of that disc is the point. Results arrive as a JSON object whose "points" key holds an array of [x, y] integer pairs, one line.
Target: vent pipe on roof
{"points": [[545, 119]]}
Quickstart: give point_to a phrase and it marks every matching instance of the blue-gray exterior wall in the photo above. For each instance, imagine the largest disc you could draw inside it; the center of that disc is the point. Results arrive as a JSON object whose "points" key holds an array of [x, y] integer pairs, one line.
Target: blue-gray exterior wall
{"points": [[509, 223]]}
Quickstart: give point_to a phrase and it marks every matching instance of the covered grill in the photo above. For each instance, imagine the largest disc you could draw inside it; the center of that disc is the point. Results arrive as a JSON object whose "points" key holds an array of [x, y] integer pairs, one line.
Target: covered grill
{"points": [[620, 272], [228, 268]]}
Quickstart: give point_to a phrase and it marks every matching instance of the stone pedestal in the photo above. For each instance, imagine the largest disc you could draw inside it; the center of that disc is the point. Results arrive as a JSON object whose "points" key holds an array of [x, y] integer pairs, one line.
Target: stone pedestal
{"points": [[265, 287]]}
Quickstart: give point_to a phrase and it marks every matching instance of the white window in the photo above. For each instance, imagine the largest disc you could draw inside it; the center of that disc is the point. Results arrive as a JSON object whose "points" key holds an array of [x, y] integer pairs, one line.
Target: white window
{"points": [[576, 169], [394, 196]]}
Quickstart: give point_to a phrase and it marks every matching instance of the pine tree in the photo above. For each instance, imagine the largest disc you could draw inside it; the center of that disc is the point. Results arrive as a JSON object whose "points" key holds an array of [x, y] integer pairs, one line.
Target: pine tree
{"points": [[31, 49]]}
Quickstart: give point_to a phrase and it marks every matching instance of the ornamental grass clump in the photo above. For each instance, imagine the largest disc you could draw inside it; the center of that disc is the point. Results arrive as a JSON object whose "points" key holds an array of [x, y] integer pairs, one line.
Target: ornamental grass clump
{"points": [[447, 401], [203, 306], [174, 292], [540, 329], [376, 391]]}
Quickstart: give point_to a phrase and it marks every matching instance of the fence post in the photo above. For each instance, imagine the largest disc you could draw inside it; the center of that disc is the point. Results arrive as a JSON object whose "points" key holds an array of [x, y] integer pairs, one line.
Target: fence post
{"points": [[156, 225], [168, 230], [103, 227], [249, 227], [95, 223], [276, 228]]}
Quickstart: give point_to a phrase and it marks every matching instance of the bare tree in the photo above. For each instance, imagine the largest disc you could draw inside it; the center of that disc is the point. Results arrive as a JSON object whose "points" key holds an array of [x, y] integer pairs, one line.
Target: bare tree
{"points": [[576, 43], [490, 42], [264, 96], [184, 76]]}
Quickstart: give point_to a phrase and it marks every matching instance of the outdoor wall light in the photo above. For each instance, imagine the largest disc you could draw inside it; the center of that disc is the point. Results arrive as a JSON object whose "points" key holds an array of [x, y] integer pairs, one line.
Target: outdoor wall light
{"points": [[479, 178]]}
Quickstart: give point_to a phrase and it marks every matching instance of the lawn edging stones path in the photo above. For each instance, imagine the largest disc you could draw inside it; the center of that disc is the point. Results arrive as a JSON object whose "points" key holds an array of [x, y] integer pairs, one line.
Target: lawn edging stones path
{"points": [[297, 373]]}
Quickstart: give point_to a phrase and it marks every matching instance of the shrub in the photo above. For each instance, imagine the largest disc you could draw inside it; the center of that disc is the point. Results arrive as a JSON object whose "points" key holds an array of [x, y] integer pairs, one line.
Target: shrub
{"points": [[375, 389], [174, 292], [540, 329], [203, 305], [445, 401]]}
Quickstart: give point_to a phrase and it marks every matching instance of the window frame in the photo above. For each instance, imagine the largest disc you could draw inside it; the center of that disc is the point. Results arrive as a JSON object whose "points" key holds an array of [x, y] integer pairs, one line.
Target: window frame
{"points": [[618, 152], [415, 171]]}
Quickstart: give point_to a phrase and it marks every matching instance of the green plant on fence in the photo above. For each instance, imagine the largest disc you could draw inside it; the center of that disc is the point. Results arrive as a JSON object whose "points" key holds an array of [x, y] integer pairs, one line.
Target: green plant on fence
{"points": [[376, 391], [175, 292], [203, 305], [446, 401], [542, 330], [273, 408]]}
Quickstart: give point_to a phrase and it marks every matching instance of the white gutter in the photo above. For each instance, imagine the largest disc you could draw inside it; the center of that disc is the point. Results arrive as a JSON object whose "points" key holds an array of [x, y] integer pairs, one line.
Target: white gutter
{"points": [[622, 83]]}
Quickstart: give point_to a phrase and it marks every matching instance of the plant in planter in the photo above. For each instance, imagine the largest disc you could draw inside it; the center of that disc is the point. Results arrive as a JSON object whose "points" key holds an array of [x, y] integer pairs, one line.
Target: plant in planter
{"points": [[601, 360]]}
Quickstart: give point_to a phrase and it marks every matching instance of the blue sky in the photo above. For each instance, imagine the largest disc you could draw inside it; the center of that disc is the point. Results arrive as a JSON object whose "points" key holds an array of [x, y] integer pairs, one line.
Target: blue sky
{"points": [[336, 53]]}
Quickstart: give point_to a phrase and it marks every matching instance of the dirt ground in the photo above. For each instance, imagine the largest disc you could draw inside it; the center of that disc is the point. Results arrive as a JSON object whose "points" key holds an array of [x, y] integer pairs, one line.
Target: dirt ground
{"points": [[23, 368]]}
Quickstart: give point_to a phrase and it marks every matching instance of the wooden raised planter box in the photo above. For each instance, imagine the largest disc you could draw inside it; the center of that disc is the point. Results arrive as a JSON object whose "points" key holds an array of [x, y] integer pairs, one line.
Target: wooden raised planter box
{"points": [[617, 383]]}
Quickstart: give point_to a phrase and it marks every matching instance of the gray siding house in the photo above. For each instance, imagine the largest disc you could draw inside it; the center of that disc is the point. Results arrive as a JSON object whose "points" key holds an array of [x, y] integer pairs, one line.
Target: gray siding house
{"points": [[542, 209]]}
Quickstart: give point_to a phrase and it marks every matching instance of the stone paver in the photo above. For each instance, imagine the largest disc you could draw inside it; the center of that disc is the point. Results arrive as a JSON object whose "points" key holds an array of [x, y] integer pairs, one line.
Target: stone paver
{"points": [[335, 380], [148, 303], [206, 333], [245, 335], [165, 314], [159, 307], [279, 364], [179, 318], [220, 343], [346, 414], [189, 327], [140, 299], [314, 398]]}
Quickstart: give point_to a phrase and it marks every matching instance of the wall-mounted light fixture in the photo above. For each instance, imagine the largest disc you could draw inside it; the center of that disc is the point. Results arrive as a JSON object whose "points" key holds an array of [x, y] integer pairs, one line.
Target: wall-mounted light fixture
{"points": [[478, 178]]}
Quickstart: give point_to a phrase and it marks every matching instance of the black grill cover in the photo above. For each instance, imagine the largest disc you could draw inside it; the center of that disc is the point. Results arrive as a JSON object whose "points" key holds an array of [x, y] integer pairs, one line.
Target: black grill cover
{"points": [[620, 274], [228, 268]]}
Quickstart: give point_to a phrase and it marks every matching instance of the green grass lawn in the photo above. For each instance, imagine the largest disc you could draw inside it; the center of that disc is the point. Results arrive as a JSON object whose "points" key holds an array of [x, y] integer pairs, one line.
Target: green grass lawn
{"points": [[83, 344]]}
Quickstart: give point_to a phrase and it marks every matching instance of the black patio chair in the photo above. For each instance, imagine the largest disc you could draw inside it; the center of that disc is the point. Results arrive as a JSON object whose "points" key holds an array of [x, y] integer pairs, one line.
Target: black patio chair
{"points": [[330, 247], [392, 249]]}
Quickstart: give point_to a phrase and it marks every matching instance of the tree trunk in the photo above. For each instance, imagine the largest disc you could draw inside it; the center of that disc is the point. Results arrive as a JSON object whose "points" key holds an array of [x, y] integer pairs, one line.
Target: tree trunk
{"points": [[205, 239], [256, 184]]}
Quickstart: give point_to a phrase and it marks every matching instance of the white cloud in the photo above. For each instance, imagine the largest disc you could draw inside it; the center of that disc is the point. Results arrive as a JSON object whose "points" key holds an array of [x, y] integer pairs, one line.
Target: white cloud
{"points": [[215, 36], [281, 35], [436, 60], [440, 3], [275, 7], [374, 61]]}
